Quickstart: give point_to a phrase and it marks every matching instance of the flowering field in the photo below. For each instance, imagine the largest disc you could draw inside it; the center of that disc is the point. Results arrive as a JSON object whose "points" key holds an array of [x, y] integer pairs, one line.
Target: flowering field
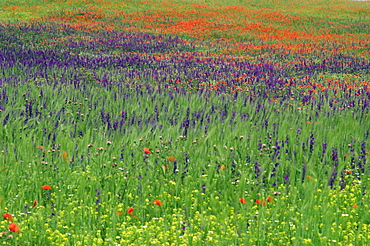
{"points": [[184, 122]]}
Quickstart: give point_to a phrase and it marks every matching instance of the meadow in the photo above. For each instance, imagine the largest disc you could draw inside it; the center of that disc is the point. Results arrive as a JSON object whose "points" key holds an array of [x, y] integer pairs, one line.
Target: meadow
{"points": [[184, 122]]}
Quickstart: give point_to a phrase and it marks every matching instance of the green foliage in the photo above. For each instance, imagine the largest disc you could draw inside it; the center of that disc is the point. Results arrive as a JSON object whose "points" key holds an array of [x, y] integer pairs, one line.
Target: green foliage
{"points": [[248, 171]]}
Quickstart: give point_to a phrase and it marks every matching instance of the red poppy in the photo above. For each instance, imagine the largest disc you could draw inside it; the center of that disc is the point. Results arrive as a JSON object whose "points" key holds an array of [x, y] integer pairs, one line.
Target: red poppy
{"points": [[259, 201], [355, 206], [8, 216], [146, 150], [34, 203], [46, 187], [14, 228], [130, 210], [157, 202], [171, 158], [270, 199], [242, 200]]}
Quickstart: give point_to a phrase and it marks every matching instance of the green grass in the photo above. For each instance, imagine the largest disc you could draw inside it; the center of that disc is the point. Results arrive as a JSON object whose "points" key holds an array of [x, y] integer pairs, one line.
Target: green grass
{"points": [[305, 211], [301, 166]]}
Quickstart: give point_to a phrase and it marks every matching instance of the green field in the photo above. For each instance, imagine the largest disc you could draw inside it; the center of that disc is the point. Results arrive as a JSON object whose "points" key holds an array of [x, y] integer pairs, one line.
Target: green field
{"points": [[184, 122]]}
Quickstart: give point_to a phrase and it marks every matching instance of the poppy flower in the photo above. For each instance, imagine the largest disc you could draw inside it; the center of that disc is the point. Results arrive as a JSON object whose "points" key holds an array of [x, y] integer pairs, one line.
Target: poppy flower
{"points": [[65, 156], [130, 210], [223, 167], [146, 150], [14, 228], [355, 206], [242, 200], [270, 199], [261, 202], [46, 187], [34, 203], [171, 158], [157, 202], [8, 216]]}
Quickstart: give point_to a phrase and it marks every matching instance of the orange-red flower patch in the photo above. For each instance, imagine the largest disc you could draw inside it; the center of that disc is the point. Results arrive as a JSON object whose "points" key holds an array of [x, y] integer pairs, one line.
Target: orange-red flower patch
{"points": [[270, 199], [157, 202], [242, 200], [261, 202], [8, 216], [130, 211], [46, 187], [65, 156], [34, 204], [14, 228], [223, 167]]}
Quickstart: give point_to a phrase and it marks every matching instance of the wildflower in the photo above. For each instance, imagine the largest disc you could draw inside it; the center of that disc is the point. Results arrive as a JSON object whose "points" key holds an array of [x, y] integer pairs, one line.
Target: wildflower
{"points": [[34, 203], [309, 122], [355, 206], [223, 167], [270, 199], [146, 150], [65, 156], [130, 210], [242, 200], [261, 202], [46, 187], [348, 171], [14, 228], [309, 177], [8, 216], [171, 158], [157, 202]]}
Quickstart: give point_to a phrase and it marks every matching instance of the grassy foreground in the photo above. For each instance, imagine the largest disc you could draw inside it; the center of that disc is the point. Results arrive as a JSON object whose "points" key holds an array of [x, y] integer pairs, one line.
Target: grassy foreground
{"points": [[184, 123]]}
